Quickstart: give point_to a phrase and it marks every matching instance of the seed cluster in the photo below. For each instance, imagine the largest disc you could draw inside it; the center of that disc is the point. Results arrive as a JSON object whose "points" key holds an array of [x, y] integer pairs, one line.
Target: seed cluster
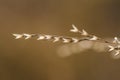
{"points": [[113, 46]]}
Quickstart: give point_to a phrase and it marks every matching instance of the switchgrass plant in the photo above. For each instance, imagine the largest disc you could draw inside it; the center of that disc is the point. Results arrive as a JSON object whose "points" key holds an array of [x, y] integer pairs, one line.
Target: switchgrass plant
{"points": [[86, 41]]}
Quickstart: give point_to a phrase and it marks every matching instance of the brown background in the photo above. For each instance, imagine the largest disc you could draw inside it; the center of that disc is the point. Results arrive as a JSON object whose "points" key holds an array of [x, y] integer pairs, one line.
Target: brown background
{"points": [[37, 60]]}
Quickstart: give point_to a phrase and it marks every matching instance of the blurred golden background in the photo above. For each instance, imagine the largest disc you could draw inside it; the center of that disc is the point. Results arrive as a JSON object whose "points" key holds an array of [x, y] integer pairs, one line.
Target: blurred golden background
{"points": [[38, 60]]}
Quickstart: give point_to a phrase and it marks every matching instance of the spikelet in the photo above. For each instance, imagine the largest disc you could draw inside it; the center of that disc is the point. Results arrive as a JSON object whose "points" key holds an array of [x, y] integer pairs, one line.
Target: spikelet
{"points": [[18, 36]]}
